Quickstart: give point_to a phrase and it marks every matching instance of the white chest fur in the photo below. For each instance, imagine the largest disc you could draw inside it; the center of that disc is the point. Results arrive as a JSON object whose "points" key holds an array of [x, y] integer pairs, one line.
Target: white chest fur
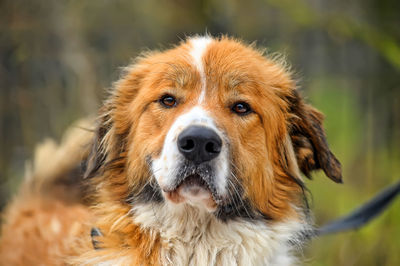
{"points": [[195, 237]]}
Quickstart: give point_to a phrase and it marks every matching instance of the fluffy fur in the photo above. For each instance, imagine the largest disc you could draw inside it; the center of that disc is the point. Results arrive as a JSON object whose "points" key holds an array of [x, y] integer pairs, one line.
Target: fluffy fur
{"points": [[49, 213], [246, 206]]}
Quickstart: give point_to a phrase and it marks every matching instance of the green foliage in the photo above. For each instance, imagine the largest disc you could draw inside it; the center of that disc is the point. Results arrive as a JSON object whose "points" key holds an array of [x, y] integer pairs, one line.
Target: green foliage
{"points": [[375, 244]]}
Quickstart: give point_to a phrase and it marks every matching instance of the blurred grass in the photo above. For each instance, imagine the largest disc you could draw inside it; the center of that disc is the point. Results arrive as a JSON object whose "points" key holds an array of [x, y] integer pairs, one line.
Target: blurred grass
{"points": [[378, 242]]}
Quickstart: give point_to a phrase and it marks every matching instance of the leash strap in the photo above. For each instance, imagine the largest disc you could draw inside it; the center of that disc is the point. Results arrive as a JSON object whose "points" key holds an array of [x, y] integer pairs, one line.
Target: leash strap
{"points": [[93, 234], [363, 214]]}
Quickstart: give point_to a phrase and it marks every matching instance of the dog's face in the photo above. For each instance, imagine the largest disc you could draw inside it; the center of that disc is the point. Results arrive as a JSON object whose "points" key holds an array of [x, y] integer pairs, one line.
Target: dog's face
{"points": [[213, 123]]}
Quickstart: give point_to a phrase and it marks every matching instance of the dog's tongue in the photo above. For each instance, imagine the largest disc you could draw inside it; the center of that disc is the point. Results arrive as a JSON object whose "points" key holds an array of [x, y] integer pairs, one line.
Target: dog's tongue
{"points": [[194, 191], [194, 180], [194, 186]]}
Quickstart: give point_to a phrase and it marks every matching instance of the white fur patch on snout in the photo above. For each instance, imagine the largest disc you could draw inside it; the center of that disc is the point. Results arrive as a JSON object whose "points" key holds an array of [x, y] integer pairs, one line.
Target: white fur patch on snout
{"points": [[166, 167]]}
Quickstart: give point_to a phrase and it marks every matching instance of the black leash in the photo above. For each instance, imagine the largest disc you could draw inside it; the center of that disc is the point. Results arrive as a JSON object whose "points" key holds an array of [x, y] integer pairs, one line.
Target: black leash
{"points": [[93, 233], [363, 214]]}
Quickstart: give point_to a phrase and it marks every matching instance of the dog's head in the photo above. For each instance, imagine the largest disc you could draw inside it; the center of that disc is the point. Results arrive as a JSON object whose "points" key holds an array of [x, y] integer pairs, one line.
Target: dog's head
{"points": [[211, 123]]}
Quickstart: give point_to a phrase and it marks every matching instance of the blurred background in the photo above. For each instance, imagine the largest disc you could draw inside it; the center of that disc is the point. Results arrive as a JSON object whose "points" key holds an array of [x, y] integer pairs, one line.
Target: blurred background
{"points": [[58, 57]]}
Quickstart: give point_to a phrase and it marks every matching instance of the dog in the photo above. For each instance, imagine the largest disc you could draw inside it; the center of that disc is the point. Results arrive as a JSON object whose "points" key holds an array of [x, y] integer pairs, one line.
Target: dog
{"points": [[197, 159]]}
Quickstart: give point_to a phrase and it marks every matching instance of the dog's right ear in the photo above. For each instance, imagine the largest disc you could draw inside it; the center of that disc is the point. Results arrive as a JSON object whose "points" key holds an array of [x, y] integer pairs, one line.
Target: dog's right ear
{"points": [[113, 126], [97, 155]]}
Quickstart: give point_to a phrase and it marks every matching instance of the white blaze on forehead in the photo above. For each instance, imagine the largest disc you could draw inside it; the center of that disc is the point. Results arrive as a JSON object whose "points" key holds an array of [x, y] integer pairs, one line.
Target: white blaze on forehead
{"points": [[199, 46]]}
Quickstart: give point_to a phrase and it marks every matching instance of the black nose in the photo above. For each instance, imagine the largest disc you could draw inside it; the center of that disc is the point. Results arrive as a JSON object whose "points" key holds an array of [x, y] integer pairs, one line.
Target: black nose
{"points": [[199, 144]]}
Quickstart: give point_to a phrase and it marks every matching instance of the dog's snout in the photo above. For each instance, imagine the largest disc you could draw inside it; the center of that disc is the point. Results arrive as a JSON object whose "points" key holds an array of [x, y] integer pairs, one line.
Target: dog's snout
{"points": [[199, 144]]}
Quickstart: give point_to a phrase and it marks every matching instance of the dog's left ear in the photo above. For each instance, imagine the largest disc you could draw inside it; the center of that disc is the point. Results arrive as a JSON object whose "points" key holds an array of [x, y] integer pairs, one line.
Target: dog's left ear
{"points": [[309, 140]]}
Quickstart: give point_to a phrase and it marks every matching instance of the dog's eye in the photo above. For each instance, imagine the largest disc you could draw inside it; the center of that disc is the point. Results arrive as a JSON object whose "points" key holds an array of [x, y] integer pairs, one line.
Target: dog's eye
{"points": [[168, 101], [241, 108]]}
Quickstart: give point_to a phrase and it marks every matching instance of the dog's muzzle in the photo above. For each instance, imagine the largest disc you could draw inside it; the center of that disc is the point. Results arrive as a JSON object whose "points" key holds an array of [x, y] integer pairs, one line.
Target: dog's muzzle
{"points": [[193, 165], [199, 147]]}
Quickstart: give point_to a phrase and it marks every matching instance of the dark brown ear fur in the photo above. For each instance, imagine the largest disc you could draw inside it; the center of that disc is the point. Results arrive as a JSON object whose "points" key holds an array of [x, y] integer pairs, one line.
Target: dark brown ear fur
{"points": [[309, 140], [97, 154], [109, 142]]}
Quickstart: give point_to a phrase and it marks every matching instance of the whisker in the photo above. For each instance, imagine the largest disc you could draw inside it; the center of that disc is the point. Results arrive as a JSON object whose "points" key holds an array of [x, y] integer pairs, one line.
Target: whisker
{"points": [[239, 196], [232, 196]]}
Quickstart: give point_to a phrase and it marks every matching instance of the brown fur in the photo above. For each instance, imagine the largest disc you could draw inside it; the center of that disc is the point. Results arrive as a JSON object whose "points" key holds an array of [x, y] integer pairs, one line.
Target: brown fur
{"points": [[267, 148], [39, 231], [49, 212]]}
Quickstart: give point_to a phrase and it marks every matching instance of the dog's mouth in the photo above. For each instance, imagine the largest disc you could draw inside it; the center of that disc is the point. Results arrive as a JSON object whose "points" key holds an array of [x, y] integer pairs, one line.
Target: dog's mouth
{"points": [[194, 180], [194, 190]]}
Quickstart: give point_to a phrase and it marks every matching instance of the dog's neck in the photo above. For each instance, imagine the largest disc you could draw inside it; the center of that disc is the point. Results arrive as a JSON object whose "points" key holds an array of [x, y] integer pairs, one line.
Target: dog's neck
{"points": [[167, 234], [193, 236]]}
